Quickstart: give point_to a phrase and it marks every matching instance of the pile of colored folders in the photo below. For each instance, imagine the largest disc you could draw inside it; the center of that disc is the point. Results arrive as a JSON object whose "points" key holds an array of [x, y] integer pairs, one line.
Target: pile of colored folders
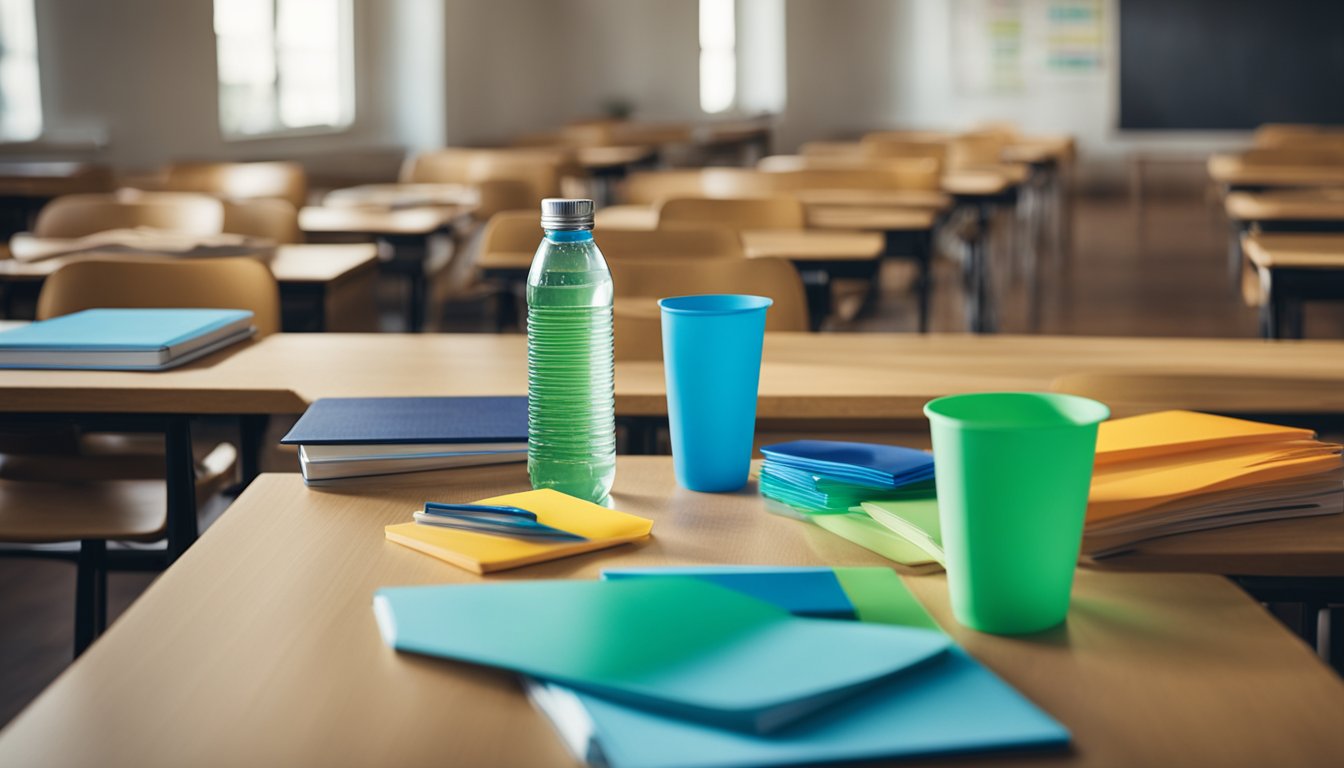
{"points": [[820, 477]]}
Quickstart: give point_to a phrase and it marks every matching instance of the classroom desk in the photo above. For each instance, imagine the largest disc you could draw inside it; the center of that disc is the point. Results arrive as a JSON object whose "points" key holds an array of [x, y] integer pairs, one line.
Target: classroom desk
{"points": [[1232, 173], [819, 258], [401, 195], [808, 381], [322, 287], [1285, 210], [260, 647], [906, 232], [984, 192], [403, 235], [26, 186], [1294, 269]]}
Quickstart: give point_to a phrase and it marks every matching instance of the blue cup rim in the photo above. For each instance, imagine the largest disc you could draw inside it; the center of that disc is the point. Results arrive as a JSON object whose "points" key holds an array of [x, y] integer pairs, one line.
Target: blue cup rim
{"points": [[714, 304]]}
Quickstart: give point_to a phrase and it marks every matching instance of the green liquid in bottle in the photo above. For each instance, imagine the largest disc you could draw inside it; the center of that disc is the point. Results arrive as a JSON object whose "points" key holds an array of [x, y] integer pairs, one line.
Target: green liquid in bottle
{"points": [[570, 372]]}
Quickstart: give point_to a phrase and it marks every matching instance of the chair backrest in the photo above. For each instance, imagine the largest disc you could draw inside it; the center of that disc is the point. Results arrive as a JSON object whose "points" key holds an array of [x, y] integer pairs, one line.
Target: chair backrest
{"points": [[832, 148], [735, 214], [906, 148], [906, 174], [638, 283], [268, 217], [234, 283], [512, 231], [241, 181], [1293, 155], [80, 215], [653, 187], [670, 244], [973, 150], [540, 169]]}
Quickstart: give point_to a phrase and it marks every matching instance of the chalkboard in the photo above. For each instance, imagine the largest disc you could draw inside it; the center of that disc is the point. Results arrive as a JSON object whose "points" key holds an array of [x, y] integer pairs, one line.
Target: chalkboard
{"points": [[1230, 64]]}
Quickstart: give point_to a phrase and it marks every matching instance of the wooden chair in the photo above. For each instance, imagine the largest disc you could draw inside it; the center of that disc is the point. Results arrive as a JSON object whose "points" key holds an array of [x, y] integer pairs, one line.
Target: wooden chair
{"points": [[832, 149], [639, 282], [906, 172], [653, 187], [671, 244], [236, 283], [921, 174], [735, 214], [79, 215], [111, 487], [241, 181], [269, 218], [540, 170]]}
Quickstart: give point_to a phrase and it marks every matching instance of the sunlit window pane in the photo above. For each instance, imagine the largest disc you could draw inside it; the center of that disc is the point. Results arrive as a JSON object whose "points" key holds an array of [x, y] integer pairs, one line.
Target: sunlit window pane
{"points": [[282, 64], [20, 92], [718, 55]]}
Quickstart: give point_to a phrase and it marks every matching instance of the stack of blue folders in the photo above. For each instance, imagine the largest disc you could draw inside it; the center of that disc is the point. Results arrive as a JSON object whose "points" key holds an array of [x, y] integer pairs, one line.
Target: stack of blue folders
{"points": [[830, 477], [721, 668]]}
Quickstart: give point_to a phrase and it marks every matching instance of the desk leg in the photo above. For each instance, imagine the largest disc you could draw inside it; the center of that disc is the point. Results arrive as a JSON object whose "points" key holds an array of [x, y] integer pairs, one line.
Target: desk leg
{"points": [[180, 476], [818, 285], [251, 434], [924, 282], [979, 311], [1234, 254]]}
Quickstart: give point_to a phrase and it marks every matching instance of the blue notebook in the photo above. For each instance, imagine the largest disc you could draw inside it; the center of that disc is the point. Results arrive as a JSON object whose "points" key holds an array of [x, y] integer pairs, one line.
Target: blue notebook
{"points": [[866, 464], [678, 646], [951, 705], [411, 420], [123, 339]]}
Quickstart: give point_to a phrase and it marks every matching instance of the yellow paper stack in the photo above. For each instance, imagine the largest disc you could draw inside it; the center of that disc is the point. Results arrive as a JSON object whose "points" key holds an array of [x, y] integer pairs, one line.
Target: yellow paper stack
{"points": [[1178, 471]]}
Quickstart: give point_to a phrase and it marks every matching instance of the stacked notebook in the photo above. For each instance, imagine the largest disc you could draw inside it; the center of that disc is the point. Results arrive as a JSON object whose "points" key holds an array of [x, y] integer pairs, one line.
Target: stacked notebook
{"points": [[367, 436], [830, 477], [1156, 475], [123, 339], [723, 667]]}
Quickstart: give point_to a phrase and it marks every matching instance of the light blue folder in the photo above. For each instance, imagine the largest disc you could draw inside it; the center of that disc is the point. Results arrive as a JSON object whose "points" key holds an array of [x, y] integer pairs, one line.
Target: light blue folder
{"points": [[123, 339], [680, 646], [952, 705]]}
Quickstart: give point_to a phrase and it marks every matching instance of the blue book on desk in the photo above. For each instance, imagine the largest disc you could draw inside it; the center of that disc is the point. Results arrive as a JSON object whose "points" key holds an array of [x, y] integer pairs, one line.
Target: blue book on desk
{"points": [[364, 436], [864, 464], [123, 339]]}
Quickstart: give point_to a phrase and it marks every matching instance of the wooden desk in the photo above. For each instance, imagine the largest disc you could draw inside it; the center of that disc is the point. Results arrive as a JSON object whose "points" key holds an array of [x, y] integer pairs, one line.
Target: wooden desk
{"points": [[1294, 269], [869, 198], [404, 237], [322, 287], [275, 658], [819, 258], [26, 186], [626, 217], [1230, 171], [808, 381], [1284, 210], [401, 196]]}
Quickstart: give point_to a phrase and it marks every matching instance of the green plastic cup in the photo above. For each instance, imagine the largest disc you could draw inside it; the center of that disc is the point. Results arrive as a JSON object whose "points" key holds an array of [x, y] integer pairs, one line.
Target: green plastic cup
{"points": [[1013, 471]]}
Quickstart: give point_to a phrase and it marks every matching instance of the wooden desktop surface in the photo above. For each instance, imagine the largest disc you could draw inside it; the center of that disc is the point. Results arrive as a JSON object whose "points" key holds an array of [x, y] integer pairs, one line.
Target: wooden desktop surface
{"points": [[902, 198], [793, 244], [1229, 169], [1296, 204], [864, 377], [875, 218], [293, 263], [1273, 250], [985, 182], [259, 647], [379, 221]]}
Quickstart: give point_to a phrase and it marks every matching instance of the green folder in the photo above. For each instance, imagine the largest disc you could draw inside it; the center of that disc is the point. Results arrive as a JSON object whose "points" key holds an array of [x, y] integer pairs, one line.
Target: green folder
{"points": [[681, 646]]}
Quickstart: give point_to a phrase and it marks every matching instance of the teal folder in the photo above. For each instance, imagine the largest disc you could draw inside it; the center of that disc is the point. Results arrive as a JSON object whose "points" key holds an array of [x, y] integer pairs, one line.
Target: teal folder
{"points": [[814, 592], [678, 646], [951, 705]]}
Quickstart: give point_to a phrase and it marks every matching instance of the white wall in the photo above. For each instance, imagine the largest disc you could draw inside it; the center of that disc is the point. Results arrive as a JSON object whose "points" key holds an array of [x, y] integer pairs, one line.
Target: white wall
{"points": [[138, 76]]}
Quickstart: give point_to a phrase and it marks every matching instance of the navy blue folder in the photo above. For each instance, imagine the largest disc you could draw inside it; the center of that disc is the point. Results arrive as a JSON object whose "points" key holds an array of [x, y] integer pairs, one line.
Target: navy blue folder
{"points": [[403, 420], [867, 464]]}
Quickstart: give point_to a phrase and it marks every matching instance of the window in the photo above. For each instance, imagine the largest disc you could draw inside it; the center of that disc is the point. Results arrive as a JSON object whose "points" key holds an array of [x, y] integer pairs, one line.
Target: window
{"points": [[718, 55], [20, 94], [283, 65]]}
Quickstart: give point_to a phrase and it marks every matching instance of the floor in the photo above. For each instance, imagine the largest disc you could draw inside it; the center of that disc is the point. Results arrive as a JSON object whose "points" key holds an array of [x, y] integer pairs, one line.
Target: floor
{"points": [[1160, 275]]}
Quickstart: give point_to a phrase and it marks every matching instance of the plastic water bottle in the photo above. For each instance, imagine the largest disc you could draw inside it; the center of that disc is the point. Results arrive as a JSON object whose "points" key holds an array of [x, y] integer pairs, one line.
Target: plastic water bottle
{"points": [[571, 444]]}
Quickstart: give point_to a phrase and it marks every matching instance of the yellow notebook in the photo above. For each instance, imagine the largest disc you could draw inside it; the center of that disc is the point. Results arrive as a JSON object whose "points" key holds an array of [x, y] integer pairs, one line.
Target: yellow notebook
{"points": [[1170, 432], [483, 553]]}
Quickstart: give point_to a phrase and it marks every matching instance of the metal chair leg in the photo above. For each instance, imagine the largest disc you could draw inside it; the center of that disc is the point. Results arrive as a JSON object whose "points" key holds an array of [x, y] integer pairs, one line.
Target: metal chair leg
{"points": [[90, 593]]}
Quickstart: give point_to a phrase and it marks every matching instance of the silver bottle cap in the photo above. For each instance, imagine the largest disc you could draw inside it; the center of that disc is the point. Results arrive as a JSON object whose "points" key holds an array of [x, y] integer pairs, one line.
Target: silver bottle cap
{"points": [[566, 214]]}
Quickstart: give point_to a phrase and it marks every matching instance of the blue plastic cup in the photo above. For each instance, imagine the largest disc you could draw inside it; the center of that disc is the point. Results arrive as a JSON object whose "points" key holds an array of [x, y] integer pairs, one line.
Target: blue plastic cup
{"points": [[712, 359]]}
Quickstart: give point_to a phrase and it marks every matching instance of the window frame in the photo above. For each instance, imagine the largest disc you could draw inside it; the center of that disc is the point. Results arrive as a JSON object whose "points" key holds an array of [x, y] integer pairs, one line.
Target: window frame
{"points": [[349, 92], [36, 55]]}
